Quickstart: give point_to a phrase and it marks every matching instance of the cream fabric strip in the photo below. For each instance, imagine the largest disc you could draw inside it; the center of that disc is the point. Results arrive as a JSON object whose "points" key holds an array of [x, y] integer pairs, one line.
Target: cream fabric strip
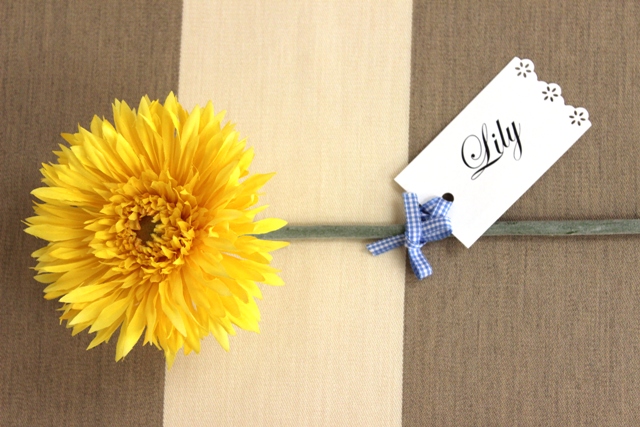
{"points": [[321, 90]]}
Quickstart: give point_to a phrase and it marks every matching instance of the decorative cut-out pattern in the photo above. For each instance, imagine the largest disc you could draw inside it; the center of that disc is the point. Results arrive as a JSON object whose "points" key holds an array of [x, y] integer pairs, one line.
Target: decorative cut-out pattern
{"points": [[524, 68], [551, 93], [579, 116]]}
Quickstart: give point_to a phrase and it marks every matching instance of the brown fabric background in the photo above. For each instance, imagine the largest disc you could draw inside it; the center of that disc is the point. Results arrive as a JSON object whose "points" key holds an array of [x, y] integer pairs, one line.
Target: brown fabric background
{"points": [[532, 331], [60, 63], [515, 331]]}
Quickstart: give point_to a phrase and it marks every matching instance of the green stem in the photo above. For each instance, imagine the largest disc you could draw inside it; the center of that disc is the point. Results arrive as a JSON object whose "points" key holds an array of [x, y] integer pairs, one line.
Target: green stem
{"points": [[501, 228]]}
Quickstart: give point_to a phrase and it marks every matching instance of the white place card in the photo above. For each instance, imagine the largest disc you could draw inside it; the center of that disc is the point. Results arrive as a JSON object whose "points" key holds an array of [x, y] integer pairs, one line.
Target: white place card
{"points": [[496, 148]]}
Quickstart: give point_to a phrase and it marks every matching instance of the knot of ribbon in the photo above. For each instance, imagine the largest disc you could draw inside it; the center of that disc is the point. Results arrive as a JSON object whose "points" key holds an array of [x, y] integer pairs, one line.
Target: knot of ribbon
{"points": [[425, 223]]}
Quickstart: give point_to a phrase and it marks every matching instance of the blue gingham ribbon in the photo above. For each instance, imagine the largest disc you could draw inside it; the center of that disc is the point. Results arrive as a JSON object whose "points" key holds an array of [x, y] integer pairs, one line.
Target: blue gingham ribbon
{"points": [[425, 223]]}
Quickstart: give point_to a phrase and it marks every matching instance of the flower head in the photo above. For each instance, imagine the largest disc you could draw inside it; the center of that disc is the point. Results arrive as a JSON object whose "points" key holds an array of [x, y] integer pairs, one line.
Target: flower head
{"points": [[150, 226]]}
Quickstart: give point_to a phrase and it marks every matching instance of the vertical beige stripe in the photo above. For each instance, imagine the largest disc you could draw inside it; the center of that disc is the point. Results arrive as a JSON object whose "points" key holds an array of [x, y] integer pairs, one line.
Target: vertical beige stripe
{"points": [[321, 90]]}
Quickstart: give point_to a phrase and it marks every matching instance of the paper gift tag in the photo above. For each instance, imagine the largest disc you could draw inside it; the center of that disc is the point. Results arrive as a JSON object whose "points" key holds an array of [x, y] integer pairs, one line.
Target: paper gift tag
{"points": [[496, 148]]}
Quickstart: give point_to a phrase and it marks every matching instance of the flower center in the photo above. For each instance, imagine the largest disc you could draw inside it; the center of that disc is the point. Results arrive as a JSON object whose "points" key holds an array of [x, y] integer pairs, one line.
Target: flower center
{"points": [[156, 234], [150, 226], [147, 227]]}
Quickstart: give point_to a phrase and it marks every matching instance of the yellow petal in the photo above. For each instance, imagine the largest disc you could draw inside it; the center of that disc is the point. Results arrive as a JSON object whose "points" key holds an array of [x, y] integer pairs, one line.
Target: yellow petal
{"points": [[110, 314], [268, 225], [89, 293], [131, 331], [55, 233]]}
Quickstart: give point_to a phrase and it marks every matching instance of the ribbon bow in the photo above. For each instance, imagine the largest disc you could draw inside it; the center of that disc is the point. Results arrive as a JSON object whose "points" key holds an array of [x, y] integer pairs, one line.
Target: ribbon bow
{"points": [[425, 223]]}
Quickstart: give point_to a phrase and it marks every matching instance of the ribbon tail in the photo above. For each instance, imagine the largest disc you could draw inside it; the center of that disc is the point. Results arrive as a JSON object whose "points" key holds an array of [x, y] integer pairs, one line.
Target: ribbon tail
{"points": [[384, 245], [413, 230], [419, 263]]}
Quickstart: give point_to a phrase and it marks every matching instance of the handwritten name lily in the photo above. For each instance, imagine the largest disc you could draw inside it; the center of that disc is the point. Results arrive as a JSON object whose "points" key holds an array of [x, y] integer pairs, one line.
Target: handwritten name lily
{"points": [[481, 152]]}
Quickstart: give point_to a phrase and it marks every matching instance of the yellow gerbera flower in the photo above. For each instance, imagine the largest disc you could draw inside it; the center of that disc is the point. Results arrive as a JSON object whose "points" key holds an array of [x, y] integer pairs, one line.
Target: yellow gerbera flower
{"points": [[149, 226]]}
